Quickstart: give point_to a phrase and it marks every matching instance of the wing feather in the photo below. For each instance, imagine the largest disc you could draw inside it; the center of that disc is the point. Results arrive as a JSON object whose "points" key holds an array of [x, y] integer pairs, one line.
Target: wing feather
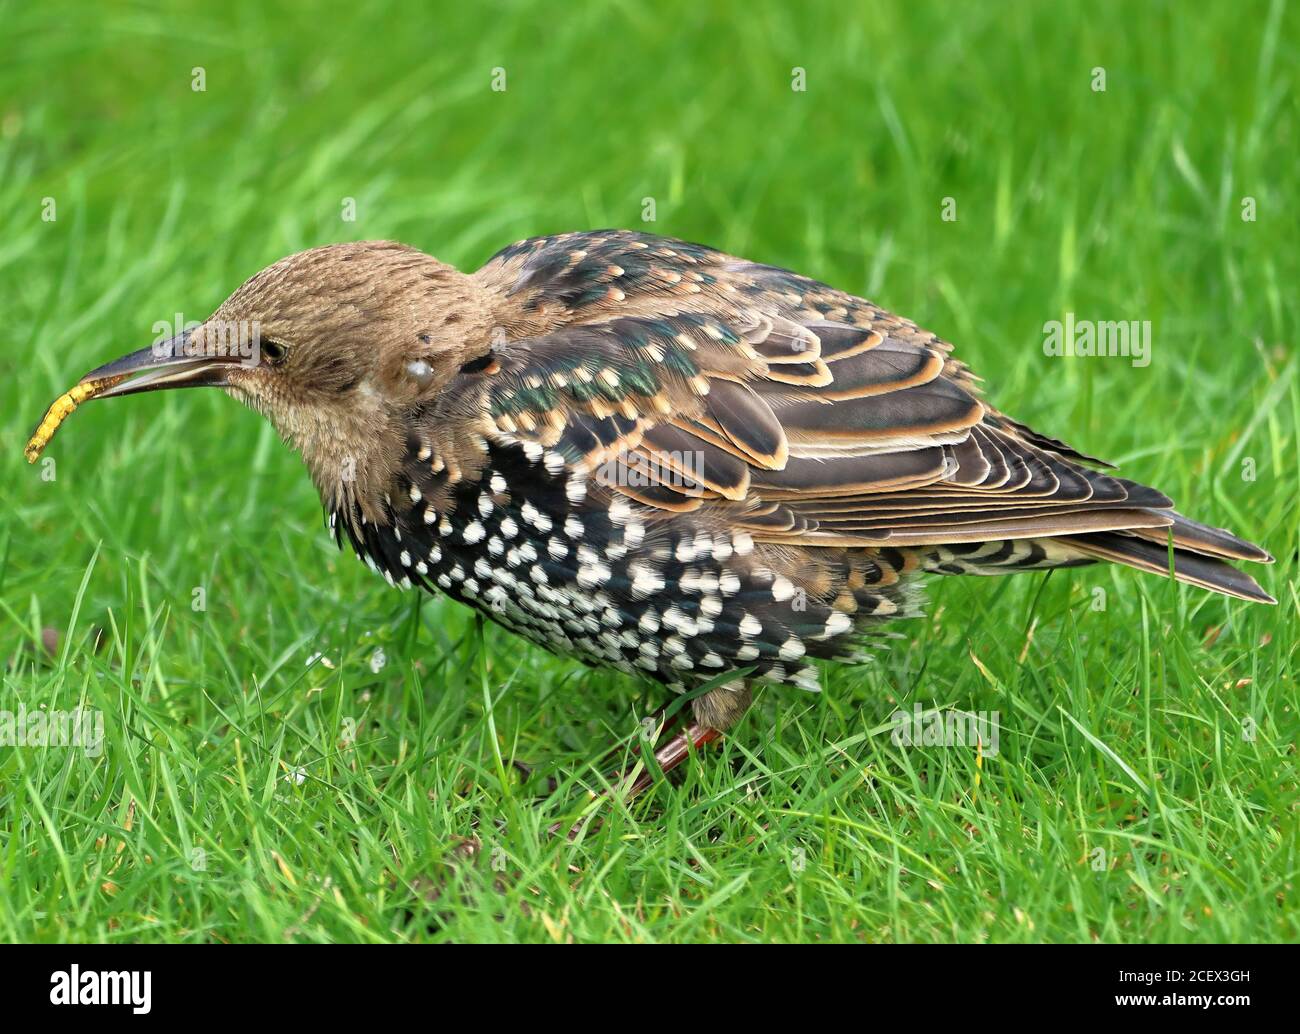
{"points": [[778, 404]]}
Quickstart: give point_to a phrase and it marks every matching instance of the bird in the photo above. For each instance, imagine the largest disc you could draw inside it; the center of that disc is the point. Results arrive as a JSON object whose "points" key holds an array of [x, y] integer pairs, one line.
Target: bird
{"points": [[654, 456]]}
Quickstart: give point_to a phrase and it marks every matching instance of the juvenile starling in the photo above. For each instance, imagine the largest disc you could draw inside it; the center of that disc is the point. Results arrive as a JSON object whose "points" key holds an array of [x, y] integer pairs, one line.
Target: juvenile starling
{"points": [[654, 456]]}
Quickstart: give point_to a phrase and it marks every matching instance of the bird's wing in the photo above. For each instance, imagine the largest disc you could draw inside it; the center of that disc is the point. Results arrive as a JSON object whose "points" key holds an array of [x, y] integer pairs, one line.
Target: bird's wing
{"points": [[685, 378]]}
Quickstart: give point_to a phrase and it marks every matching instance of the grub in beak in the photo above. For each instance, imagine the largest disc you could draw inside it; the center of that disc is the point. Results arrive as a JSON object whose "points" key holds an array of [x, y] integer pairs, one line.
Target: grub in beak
{"points": [[165, 365]]}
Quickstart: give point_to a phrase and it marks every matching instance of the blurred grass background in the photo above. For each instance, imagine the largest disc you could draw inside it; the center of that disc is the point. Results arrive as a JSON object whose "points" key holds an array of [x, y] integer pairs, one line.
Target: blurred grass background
{"points": [[267, 777]]}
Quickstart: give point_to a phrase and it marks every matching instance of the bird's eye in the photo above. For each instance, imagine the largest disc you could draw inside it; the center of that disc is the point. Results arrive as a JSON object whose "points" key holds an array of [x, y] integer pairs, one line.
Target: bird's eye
{"points": [[274, 352], [420, 372]]}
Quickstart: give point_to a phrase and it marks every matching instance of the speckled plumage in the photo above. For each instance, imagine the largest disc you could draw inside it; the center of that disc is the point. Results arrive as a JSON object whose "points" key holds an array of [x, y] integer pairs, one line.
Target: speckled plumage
{"points": [[679, 463], [651, 455]]}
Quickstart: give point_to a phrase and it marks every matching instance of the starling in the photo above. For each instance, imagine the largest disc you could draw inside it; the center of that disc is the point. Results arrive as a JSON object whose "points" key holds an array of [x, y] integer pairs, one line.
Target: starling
{"points": [[654, 456]]}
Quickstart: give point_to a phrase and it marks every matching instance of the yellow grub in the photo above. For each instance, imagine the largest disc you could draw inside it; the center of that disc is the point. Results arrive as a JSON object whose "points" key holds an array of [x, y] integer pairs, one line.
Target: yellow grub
{"points": [[61, 408]]}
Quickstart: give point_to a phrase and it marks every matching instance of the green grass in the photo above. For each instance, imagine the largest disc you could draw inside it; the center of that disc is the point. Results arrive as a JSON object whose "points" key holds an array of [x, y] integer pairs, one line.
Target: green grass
{"points": [[1122, 727]]}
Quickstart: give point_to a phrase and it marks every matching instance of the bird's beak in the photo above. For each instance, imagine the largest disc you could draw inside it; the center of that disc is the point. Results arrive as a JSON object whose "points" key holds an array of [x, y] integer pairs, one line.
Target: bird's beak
{"points": [[167, 364], [175, 363]]}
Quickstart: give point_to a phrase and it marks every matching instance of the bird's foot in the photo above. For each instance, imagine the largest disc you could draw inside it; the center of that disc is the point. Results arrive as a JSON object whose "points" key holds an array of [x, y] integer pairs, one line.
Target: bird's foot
{"points": [[526, 769], [655, 724], [632, 782]]}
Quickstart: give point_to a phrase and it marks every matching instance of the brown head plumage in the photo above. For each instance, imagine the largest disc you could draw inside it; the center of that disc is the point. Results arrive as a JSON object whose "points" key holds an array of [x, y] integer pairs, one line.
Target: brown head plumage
{"points": [[352, 339]]}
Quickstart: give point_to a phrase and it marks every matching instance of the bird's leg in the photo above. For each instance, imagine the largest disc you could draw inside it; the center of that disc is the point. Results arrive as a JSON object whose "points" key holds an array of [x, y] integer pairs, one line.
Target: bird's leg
{"points": [[694, 737], [651, 722], [716, 711], [713, 713], [656, 723], [667, 757]]}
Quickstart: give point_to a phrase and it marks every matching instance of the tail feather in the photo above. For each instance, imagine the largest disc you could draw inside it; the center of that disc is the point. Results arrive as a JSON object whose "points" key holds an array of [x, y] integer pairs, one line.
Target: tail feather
{"points": [[1196, 553], [1201, 538]]}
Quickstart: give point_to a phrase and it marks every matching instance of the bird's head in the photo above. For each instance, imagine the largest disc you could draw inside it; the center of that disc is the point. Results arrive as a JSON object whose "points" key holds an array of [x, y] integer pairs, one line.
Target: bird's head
{"points": [[336, 346]]}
